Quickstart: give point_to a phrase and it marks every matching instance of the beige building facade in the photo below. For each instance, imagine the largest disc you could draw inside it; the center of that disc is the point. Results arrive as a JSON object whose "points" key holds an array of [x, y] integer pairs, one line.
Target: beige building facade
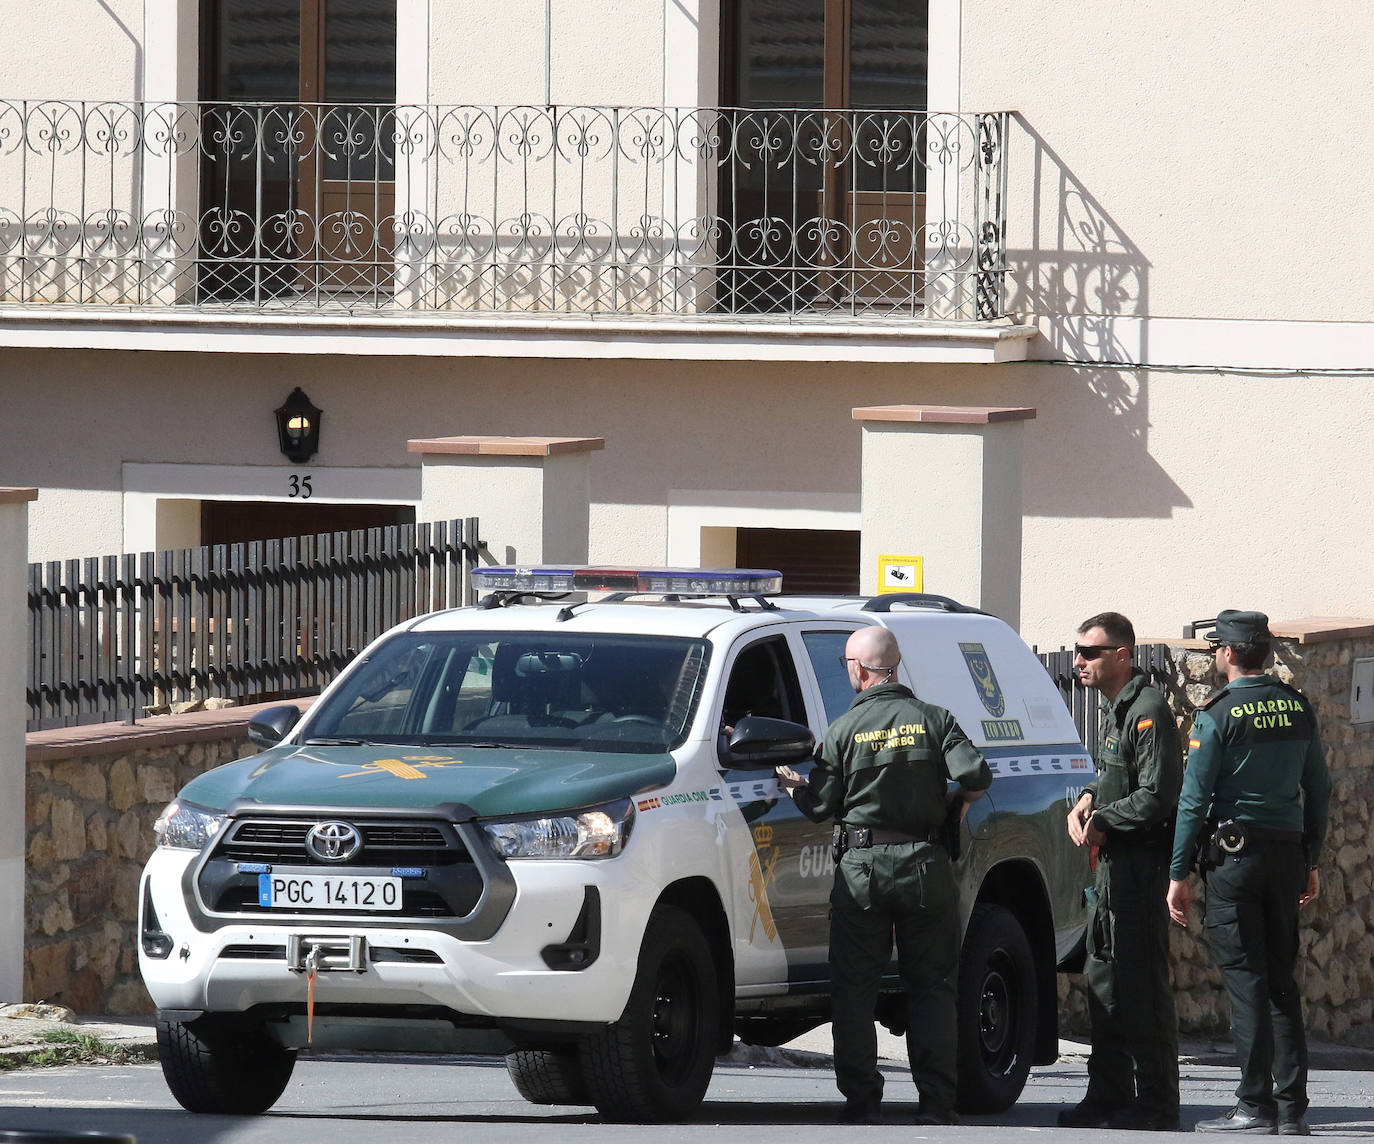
{"points": [[705, 232]]}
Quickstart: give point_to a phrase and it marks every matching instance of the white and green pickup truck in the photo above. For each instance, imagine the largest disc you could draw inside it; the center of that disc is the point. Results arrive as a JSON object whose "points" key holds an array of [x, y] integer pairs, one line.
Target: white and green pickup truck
{"points": [[551, 831]]}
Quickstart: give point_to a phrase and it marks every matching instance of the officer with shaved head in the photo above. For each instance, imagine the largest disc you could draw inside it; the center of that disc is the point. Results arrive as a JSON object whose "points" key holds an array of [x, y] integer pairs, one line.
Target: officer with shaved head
{"points": [[882, 772]]}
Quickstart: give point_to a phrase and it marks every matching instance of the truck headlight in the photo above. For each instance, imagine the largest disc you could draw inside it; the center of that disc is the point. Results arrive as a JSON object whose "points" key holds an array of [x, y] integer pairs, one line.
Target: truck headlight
{"points": [[186, 826], [600, 832]]}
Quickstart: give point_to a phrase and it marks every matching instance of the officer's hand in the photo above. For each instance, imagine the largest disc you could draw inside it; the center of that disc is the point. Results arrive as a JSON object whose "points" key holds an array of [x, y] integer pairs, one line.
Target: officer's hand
{"points": [[789, 779], [1178, 899], [1078, 819], [1093, 836], [1313, 887]]}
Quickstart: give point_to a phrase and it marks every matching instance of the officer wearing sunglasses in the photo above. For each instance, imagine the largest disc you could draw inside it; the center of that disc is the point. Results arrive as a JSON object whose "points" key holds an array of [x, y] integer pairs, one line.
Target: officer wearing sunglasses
{"points": [[1127, 816], [1258, 786]]}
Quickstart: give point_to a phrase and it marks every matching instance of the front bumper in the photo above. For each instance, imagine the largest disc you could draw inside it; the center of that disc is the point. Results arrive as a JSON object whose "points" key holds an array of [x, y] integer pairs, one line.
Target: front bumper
{"points": [[374, 961]]}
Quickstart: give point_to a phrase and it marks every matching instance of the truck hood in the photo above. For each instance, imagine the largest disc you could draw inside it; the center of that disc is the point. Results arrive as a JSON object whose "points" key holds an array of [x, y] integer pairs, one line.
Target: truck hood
{"points": [[492, 782]]}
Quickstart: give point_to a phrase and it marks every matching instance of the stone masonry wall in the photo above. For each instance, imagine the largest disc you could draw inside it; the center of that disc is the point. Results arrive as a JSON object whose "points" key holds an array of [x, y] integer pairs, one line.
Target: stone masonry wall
{"points": [[90, 830], [1336, 959]]}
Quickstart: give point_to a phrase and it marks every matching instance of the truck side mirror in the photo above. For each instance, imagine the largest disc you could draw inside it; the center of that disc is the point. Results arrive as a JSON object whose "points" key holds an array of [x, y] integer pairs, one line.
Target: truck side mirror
{"points": [[270, 727], [761, 743]]}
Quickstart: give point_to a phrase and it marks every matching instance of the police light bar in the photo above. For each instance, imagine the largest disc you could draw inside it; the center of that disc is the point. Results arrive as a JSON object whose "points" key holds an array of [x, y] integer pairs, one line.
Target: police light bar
{"points": [[667, 581]]}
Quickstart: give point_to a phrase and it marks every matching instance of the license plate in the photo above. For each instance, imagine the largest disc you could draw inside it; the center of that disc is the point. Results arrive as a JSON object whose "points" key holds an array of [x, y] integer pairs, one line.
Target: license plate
{"points": [[328, 892]]}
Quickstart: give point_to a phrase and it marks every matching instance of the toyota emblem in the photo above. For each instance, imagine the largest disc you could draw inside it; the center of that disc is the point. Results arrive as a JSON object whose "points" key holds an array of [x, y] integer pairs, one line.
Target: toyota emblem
{"points": [[334, 841]]}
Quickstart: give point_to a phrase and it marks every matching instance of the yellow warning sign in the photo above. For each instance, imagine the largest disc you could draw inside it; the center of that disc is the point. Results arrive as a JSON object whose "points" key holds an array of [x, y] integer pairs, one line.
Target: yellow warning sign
{"points": [[900, 574]]}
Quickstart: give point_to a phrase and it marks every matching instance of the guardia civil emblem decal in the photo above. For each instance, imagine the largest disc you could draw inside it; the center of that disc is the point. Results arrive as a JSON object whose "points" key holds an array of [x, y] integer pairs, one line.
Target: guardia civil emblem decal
{"points": [[984, 678]]}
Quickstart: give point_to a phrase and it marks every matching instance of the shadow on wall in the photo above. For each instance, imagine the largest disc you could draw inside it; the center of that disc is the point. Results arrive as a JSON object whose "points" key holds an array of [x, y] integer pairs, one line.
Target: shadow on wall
{"points": [[1085, 283]]}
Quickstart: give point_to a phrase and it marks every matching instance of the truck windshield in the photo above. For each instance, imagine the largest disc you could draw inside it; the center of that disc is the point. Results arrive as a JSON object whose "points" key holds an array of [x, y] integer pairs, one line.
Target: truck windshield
{"points": [[517, 689]]}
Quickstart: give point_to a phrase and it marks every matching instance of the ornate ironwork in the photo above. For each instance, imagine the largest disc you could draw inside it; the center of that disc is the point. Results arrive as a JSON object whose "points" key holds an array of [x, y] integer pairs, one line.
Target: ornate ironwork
{"points": [[624, 211]]}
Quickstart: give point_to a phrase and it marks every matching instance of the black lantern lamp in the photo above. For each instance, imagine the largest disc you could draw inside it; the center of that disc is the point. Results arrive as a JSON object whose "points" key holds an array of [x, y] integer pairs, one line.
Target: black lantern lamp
{"points": [[298, 427]]}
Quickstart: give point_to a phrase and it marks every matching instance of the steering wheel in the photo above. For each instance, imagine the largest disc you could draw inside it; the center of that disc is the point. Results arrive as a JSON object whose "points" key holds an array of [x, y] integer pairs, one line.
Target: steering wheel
{"points": [[647, 720]]}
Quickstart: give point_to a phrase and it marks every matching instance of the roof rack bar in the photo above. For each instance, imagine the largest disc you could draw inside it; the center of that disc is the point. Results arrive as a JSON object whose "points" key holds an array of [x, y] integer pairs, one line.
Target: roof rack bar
{"points": [[920, 600]]}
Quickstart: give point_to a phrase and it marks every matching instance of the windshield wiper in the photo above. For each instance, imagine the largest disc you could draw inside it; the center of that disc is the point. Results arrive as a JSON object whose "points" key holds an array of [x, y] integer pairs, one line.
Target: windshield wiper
{"points": [[325, 742]]}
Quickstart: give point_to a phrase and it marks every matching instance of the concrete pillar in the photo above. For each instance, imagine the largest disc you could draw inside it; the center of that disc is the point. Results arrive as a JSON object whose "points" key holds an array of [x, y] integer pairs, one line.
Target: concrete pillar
{"points": [[531, 495], [14, 644], [944, 483]]}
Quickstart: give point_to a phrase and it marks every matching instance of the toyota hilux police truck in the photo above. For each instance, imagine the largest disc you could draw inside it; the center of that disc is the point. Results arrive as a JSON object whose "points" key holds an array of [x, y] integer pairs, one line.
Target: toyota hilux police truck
{"points": [[550, 830]]}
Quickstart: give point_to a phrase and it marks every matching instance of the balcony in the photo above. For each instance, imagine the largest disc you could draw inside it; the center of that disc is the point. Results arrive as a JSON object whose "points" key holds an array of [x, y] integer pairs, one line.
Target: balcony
{"points": [[555, 213]]}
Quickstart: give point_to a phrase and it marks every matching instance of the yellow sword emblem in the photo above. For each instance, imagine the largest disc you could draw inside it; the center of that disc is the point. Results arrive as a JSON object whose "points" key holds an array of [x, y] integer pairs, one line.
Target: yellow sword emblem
{"points": [[760, 878], [409, 767]]}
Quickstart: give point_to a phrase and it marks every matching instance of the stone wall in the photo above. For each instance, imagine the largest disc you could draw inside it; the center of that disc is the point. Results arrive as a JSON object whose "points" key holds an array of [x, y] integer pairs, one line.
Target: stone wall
{"points": [[1336, 962], [93, 794]]}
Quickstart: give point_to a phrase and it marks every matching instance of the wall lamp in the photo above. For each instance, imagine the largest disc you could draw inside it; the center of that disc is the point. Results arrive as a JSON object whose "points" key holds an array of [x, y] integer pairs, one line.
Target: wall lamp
{"points": [[298, 427]]}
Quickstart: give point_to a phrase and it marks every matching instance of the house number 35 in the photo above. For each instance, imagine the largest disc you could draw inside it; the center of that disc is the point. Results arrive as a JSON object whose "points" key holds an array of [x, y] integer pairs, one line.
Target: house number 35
{"points": [[300, 486]]}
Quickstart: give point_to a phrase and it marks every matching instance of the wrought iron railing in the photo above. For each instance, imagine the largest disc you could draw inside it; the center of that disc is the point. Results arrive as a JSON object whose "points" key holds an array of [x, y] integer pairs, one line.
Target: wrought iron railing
{"points": [[625, 211]]}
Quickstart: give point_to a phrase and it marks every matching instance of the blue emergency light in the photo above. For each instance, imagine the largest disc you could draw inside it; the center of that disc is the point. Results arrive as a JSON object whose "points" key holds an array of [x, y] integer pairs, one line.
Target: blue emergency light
{"points": [[665, 581]]}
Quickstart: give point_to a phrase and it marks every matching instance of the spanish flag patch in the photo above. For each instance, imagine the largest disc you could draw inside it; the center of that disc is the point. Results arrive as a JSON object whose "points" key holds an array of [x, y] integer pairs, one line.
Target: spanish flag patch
{"points": [[1144, 724], [1194, 744]]}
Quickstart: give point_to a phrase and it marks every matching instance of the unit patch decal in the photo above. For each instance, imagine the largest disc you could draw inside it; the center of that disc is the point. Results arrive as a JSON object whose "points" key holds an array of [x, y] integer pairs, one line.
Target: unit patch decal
{"points": [[407, 767], [984, 679]]}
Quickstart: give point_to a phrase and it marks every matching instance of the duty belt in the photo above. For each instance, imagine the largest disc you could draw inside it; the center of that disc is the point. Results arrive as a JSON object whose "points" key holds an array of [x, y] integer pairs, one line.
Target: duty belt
{"points": [[862, 837], [1264, 834]]}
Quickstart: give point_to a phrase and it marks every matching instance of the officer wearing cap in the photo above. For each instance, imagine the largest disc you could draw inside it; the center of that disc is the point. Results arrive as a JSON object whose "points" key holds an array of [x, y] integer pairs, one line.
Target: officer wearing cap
{"points": [[1256, 791], [882, 771], [1127, 814]]}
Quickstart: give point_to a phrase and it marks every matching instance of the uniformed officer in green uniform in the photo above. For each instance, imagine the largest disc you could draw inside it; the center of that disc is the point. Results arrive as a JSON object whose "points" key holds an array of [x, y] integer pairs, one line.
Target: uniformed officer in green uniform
{"points": [[882, 772], [1255, 792], [1127, 815]]}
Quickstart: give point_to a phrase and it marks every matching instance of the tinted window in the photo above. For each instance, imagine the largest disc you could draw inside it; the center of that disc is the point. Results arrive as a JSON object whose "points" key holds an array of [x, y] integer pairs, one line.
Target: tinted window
{"points": [[826, 650], [571, 691], [763, 681]]}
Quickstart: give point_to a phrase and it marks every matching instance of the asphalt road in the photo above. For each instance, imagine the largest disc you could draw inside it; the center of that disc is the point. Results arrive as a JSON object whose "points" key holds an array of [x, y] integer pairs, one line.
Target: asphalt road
{"points": [[419, 1100]]}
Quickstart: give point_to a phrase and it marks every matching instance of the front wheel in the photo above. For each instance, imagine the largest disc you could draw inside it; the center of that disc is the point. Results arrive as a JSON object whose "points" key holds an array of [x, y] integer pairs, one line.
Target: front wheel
{"points": [[654, 1064], [547, 1076], [997, 1010], [216, 1065]]}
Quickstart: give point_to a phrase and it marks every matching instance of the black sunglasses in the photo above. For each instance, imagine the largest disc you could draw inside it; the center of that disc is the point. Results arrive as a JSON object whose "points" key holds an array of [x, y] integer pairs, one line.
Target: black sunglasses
{"points": [[1093, 651]]}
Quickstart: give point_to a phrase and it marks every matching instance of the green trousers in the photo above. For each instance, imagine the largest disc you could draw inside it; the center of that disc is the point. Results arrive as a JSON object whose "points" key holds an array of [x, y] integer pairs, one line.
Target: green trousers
{"points": [[1252, 928], [906, 889], [1134, 1057]]}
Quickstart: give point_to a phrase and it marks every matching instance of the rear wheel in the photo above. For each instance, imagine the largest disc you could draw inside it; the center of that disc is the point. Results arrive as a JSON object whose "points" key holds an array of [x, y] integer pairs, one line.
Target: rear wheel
{"points": [[997, 1010], [655, 1063], [216, 1065], [547, 1076]]}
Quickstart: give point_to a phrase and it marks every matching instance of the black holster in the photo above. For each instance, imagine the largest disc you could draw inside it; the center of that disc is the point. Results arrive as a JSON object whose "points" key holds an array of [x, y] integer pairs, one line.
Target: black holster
{"points": [[838, 841]]}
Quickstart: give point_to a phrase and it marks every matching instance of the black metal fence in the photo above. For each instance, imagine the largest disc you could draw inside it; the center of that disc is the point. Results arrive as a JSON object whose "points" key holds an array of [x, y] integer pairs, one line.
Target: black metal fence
{"points": [[1154, 659], [110, 637]]}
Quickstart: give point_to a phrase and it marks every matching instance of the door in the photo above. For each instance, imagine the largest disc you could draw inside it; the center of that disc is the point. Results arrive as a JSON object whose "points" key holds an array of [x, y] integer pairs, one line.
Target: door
{"points": [[789, 875], [298, 185], [823, 189]]}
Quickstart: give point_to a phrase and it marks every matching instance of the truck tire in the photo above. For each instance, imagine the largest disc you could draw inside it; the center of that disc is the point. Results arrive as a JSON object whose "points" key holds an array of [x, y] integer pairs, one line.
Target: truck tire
{"points": [[547, 1076], [654, 1064], [214, 1066], [997, 1011]]}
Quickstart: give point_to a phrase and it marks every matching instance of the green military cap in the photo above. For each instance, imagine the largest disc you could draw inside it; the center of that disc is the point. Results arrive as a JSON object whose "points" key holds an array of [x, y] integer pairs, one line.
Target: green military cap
{"points": [[1241, 627]]}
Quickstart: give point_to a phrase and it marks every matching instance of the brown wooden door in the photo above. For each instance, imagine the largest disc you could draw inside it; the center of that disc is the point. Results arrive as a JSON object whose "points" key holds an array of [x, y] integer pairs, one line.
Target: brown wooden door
{"points": [[851, 188], [347, 179], [298, 193]]}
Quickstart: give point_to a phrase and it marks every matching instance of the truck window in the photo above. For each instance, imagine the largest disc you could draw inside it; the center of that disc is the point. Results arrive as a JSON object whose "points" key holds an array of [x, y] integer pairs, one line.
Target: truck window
{"points": [[764, 681], [825, 650]]}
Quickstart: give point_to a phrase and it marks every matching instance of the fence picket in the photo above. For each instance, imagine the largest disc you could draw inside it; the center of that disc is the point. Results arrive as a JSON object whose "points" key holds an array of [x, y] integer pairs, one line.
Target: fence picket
{"points": [[111, 637]]}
